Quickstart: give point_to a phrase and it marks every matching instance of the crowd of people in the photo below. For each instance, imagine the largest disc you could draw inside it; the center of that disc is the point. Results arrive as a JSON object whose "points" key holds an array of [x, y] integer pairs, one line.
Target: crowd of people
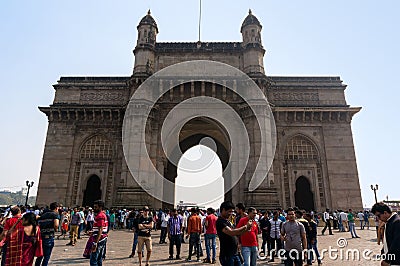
{"points": [[287, 235]]}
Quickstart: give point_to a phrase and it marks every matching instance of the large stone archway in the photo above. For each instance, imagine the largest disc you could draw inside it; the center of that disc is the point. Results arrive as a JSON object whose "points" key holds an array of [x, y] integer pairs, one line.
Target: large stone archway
{"points": [[197, 128], [191, 135]]}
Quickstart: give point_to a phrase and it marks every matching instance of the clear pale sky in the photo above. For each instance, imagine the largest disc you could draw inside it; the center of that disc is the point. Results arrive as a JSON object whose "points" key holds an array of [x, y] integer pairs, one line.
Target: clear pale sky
{"points": [[356, 40]]}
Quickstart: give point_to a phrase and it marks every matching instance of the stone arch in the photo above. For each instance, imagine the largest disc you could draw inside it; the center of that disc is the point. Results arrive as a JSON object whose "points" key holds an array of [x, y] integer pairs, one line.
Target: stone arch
{"points": [[156, 97], [95, 156], [301, 157]]}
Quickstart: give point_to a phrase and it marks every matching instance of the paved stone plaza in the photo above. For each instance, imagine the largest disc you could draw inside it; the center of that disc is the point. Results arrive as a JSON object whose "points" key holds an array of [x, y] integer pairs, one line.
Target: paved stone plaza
{"points": [[119, 245]]}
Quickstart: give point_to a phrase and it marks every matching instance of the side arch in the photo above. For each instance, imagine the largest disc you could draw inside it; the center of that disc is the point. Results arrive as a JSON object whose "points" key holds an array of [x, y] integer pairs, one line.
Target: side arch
{"points": [[301, 156], [95, 156]]}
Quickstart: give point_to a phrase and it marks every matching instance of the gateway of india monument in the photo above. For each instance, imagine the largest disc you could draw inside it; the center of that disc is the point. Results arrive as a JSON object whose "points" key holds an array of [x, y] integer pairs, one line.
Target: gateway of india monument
{"points": [[314, 166]]}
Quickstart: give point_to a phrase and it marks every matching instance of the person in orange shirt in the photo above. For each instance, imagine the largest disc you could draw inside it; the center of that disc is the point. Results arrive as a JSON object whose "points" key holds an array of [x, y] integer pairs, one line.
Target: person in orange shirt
{"points": [[194, 231]]}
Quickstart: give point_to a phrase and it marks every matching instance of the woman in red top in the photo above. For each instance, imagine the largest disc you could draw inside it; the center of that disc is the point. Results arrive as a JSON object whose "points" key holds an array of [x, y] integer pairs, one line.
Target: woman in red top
{"points": [[23, 244]]}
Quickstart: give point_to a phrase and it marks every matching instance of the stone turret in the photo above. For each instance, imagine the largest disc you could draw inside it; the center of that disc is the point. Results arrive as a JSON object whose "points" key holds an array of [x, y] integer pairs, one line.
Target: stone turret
{"points": [[253, 54], [145, 47]]}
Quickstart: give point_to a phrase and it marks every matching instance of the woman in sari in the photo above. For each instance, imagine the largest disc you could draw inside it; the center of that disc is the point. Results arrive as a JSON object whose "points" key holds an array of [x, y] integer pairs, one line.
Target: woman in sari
{"points": [[24, 243]]}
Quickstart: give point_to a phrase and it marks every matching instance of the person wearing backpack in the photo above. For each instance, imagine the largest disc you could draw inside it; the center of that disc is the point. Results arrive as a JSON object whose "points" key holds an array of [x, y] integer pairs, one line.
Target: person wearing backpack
{"points": [[74, 227]]}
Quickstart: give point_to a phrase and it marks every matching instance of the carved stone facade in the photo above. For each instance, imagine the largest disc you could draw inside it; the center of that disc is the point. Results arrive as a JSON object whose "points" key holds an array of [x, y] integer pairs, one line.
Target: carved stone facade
{"points": [[314, 166]]}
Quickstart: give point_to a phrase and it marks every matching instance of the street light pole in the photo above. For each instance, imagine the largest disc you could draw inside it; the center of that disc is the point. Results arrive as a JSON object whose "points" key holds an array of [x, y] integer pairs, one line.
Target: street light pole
{"points": [[375, 188], [29, 185]]}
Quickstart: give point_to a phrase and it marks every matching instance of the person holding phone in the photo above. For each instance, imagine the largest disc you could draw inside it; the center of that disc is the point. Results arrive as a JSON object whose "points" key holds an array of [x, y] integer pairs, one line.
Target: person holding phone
{"points": [[229, 252], [249, 240]]}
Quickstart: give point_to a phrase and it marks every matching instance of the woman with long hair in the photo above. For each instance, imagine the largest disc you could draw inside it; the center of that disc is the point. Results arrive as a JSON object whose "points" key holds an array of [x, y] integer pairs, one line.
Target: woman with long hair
{"points": [[24, 243]]}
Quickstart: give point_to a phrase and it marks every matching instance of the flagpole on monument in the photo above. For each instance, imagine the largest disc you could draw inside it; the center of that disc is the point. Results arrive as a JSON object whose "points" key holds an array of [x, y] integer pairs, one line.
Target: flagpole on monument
{"points": [[199, 20]]}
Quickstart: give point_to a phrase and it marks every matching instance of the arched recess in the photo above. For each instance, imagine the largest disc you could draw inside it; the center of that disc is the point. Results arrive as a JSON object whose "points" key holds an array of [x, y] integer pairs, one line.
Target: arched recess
{"points": [[304, 198], [302, 157], [92, 191], [95, 158]]}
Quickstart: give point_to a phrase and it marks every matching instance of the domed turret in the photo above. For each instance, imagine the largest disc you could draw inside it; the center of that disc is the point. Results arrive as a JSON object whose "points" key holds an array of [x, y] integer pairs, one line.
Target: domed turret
{"points": [[251, 30], [148, 20], [250, 20], [147, 31], [253, 55], [146, 42]]}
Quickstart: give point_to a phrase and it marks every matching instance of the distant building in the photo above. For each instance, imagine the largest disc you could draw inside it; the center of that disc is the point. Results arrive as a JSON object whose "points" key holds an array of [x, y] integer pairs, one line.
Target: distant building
{"points": [[23, 191], [393, 204], [314, 166]]}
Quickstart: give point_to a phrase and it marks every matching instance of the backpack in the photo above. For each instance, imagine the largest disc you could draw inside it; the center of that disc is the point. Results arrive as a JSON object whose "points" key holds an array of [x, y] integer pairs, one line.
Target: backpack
{"points": [[76, 219]]}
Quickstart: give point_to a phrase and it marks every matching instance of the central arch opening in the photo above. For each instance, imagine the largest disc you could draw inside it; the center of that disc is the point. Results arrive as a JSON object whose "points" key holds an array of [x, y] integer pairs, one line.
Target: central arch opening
{"points": [[199, 178], [191, 135]]}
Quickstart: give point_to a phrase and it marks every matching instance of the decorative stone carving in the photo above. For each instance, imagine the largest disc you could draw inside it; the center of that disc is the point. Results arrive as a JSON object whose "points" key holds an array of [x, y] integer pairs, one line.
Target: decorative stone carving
{"points": [[294, 98], [103, 97]]}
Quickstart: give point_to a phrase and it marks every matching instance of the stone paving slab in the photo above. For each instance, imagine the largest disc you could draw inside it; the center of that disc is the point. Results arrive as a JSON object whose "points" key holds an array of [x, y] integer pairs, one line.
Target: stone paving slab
{"points": [[120, 243]]}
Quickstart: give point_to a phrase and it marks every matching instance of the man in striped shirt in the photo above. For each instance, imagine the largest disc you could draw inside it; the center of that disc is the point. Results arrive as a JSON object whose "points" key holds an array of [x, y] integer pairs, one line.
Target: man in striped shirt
{"points": [[174, 230]]}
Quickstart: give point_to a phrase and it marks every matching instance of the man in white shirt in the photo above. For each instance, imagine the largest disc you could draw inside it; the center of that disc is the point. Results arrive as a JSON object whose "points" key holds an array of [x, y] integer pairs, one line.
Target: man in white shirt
{"points": [[327, 220], [275, 235], [164, 224], [360, 216], [184, 224]]}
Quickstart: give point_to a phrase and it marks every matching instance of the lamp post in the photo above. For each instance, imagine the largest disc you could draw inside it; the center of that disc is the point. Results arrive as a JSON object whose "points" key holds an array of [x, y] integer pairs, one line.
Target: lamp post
{"points": [[375, 188], [29, 185]]}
